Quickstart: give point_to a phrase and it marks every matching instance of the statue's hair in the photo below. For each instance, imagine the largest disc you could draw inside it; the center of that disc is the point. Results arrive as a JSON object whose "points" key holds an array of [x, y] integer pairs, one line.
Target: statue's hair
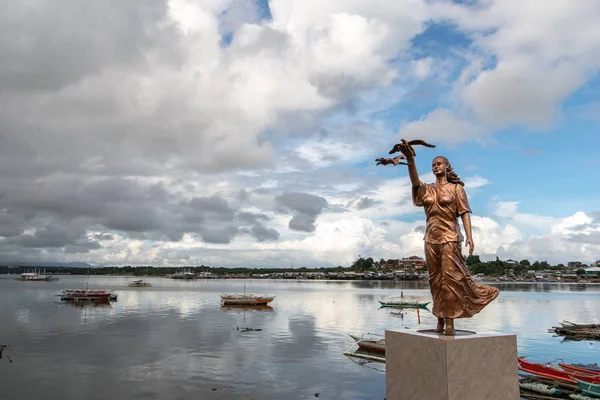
{"points": [[451, 176]]}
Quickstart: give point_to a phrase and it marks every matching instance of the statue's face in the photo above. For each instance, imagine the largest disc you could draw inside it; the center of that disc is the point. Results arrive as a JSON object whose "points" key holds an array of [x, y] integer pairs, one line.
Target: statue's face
{"points": [[438, 166]]}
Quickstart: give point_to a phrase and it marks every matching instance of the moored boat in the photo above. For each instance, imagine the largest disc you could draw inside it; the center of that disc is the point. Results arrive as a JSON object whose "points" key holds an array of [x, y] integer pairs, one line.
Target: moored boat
{"points": [[556, 372], [572, 331], [246, 299], [403, 304], [86, 294], [545, 371], [370, 344], [571, 325], [139, 283], [593, 389], [185, 274], [588, 378], [591, 369], [531, 387], [35, 276]]}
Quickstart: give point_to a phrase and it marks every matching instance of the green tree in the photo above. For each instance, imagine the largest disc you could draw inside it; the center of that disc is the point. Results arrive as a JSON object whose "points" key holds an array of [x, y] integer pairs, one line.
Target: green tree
{"points": [[357, 264], [580, 272], [472, 260], [520, 269], [362, 264], [525, 263]]}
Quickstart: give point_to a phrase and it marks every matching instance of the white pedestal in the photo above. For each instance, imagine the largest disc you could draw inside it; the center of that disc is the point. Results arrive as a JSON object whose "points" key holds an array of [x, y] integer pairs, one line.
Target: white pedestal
{"points": [[425, 366]]}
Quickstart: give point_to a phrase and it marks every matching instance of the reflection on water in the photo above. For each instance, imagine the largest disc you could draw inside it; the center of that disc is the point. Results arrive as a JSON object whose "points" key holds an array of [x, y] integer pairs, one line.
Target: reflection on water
{"points": [[175, 340], [83, 304], [246, 308], [542, 287]]}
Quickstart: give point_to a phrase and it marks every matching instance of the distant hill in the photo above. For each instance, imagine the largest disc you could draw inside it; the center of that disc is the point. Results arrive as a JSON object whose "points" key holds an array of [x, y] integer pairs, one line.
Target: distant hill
{"points": [[74, 264]]}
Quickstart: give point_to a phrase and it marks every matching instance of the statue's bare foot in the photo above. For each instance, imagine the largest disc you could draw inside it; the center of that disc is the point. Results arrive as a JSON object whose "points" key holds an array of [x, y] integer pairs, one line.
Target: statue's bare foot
{"points": [[449, 327], [440, 326]]}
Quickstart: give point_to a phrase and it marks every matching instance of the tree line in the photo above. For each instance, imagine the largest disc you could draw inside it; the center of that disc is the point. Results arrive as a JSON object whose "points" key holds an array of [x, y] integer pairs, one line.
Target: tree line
{"points": [[498, 267], [495, 267], [150, 270]]}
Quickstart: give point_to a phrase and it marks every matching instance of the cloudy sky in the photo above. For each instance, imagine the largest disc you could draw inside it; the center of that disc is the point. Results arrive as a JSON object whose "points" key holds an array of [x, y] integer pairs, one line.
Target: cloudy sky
{"points": [[243, 132]]}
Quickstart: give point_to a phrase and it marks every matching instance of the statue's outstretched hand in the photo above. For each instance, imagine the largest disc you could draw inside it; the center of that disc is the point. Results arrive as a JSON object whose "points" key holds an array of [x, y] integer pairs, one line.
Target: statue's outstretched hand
{"points": [[405, 148], [470, 245]]}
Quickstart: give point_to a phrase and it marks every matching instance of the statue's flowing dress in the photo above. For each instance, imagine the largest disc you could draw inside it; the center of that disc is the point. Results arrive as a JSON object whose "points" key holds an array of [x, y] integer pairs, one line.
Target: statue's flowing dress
{"points": [[455, 294]]}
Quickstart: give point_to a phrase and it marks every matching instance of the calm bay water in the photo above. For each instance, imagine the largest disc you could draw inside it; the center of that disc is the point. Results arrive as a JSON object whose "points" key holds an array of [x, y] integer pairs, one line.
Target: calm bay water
{"points": [[174, 341]]}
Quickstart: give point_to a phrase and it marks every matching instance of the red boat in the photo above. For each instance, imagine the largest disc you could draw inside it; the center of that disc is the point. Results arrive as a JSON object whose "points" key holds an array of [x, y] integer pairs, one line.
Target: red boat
{"points": [[85, 294], [545, 371], [586, 369], [556, 372]]}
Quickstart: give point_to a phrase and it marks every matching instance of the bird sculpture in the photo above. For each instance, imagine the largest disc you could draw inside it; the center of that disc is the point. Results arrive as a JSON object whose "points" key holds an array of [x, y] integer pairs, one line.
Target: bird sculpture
{"points": [[396, 148]]}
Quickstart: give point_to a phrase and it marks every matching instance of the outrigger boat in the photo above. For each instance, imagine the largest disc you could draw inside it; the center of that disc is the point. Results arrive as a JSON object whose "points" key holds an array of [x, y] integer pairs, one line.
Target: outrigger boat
{"points": [[585, 368], [87, 294], [84, 294], [570, 325], [246, 299], [371, 349], [371, 345], [573, 331], [403, 304], [557, 373], [593, 389]]}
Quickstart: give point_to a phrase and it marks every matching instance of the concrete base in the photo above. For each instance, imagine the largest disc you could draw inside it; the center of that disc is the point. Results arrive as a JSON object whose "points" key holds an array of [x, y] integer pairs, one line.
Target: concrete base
{"points": [[425, 366]]}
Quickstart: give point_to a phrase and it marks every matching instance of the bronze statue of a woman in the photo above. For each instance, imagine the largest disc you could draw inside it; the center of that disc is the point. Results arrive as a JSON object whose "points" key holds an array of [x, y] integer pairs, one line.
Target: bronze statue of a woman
{"points": [[455, 294]]}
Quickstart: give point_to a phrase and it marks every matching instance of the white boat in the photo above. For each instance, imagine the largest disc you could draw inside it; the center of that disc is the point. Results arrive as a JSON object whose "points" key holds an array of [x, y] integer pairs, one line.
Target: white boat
{"points": [[185, 274], [370, 344], [139, 283], [246, 299], [404, 301], [35, 276], [369, 348]]}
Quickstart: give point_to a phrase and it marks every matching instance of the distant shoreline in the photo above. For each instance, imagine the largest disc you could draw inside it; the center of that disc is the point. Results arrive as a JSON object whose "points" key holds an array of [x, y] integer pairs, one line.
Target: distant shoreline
{"points": [[354, 279]]}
